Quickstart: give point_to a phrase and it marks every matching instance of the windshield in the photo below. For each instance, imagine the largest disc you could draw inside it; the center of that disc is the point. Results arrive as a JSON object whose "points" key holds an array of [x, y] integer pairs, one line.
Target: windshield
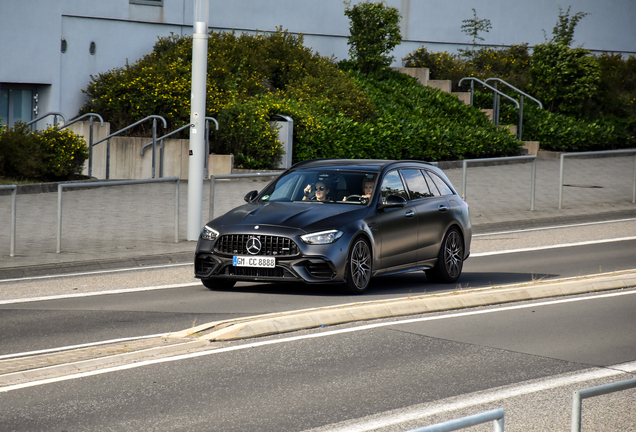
{"points": [[322, 186]]}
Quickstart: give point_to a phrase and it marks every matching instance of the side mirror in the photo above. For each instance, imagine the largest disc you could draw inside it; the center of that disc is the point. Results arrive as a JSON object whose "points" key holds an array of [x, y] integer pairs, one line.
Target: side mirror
{"points": [[392, 201], [249, 197]]}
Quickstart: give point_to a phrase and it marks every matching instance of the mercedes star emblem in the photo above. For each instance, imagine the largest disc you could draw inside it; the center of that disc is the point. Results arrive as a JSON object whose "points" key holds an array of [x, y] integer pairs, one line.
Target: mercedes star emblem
{"points": [[253, 245]]}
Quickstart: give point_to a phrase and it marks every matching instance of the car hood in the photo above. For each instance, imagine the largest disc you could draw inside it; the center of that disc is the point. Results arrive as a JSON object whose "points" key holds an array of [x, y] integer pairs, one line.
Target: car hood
{"points": [[308, 217]]}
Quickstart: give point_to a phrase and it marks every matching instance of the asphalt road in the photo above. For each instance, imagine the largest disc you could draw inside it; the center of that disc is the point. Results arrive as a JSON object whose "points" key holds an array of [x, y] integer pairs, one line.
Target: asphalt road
{"points": [[393, 374], [76, 316]]}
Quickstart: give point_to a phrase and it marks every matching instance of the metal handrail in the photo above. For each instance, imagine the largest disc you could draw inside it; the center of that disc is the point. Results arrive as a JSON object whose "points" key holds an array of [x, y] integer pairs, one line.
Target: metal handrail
{"points": [[496, 416], [54, 114], [90, 138], [14, 190], [62, 186], [595, 391], [472, 91], [604, 152], [229, 177], [496, 101], [154, 139], [161, 146], [207, 144], [511, 158]]}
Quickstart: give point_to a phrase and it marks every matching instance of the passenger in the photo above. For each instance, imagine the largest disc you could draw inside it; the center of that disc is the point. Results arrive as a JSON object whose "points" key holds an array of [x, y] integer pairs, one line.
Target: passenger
{"points": [[321, 192], [367, 190]]}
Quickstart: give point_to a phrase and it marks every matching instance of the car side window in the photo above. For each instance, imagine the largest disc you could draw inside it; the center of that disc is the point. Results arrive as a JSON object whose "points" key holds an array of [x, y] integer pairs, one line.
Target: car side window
{"points": [[441, 185], [415, 182], [392, 185]]}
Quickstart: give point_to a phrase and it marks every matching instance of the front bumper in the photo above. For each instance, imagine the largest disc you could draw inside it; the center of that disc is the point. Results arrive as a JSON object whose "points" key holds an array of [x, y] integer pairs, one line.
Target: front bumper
{"points": [[308, 263]]}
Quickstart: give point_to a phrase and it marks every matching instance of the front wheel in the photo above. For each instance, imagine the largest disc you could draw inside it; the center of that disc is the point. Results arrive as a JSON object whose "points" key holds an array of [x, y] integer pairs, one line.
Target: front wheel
{"points": [[218, 284], [359, 267], [450, 260]]}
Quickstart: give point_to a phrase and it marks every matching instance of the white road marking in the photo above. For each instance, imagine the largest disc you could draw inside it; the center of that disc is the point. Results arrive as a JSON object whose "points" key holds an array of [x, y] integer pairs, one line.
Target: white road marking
{"points": [[70, 347], [96, 272], [554, 227], [98, 293], [188, 356], [557, 246]]}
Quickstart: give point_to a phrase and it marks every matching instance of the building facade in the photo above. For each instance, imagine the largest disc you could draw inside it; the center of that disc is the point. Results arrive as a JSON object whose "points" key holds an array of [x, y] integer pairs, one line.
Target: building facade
{"points": [[50, 49]]}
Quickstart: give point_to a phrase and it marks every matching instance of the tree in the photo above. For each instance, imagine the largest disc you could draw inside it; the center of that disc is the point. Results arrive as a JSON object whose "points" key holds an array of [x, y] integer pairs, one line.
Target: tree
{"points": [[472, 27], [564, 29], [374, 32]]}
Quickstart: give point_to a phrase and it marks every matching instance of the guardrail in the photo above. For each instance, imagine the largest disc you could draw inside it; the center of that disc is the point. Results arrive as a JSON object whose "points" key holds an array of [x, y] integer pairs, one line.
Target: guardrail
{"points": [[161, 146], [497, 92], [595, 153], [213, 179], [154, 138], [595, 391], [14, 191], [54, 114], [496, 415], [532, 179], [62, 186], [90, 136]]}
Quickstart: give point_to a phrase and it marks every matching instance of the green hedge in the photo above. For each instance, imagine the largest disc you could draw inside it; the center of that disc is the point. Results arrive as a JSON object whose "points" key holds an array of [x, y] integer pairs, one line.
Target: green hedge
{"points": [[48, 155]]}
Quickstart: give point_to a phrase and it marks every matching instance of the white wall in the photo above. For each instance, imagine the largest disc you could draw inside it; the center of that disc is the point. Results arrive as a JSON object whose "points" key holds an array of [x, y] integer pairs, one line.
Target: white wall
{"points": [[31, 32]]}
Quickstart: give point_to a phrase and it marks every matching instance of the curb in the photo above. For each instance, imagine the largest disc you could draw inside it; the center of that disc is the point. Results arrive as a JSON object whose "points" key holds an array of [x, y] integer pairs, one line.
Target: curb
{"points": [[342, 314]]}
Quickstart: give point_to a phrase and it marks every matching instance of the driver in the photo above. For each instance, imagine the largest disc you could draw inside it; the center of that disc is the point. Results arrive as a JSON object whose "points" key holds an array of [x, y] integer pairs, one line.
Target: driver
{"points": [[321, 191]]}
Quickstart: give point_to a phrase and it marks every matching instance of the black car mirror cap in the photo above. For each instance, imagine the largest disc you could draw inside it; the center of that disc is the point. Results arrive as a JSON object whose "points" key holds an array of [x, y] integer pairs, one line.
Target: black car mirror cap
{"points": [[249, 197], [392, 201]]}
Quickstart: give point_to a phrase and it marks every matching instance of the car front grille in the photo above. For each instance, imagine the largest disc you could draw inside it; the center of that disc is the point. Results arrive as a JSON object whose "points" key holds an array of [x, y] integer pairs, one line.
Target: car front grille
{"points": [[275, 272], [236, 244]]}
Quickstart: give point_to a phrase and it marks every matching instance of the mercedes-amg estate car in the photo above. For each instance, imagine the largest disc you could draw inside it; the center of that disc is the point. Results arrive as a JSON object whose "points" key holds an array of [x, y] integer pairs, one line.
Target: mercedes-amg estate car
{"points": [[340, 221]]}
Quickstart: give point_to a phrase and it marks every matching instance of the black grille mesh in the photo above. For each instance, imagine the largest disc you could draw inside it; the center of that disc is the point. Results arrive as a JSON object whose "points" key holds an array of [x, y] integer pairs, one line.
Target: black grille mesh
{"points": [[236, 244]]}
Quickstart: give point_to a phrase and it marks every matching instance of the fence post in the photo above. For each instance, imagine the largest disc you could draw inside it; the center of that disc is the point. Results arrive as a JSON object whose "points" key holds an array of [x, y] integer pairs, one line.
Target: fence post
{"points": [[60, 187], [211, 207]]}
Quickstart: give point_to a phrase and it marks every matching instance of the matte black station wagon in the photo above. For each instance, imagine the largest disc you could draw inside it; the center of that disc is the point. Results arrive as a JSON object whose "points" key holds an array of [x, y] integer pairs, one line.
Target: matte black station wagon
{"points": [[340, 221]]}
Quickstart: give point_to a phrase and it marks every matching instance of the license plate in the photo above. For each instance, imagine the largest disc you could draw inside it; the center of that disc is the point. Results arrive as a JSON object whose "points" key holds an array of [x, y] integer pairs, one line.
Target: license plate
{"points": [[254, 261]]}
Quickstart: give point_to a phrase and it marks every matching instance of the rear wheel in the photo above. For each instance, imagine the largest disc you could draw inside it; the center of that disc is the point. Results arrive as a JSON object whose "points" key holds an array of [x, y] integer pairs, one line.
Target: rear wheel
{"points": [[450, 260], [218, 284], [359, 267]]}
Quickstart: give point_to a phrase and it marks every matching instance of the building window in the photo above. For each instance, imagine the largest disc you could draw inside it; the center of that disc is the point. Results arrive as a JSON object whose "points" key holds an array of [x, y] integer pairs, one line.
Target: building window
{"points": [[147, 2]]}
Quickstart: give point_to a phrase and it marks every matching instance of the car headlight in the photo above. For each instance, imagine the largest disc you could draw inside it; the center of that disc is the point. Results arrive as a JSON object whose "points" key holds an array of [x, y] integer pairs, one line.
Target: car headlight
{"points": [[323, 237], [209, 233]]}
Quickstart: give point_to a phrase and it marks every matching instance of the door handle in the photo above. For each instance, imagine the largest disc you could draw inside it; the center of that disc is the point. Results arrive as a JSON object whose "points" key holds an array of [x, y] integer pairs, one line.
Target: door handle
{"points": [[442, 208], [409, 213]]}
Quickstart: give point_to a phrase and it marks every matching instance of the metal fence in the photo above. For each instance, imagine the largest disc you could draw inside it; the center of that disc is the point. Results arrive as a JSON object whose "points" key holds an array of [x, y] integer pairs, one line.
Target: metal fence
{"points": [[595, 391], [511, 158], [61, 187], [496, 416], [213, 179], [14, 190]]}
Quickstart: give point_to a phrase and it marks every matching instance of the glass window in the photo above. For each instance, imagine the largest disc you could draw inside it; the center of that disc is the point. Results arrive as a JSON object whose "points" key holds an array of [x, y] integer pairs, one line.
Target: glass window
{"points": [[147, 2], [416, 184], [392, 185], [441, 185]]}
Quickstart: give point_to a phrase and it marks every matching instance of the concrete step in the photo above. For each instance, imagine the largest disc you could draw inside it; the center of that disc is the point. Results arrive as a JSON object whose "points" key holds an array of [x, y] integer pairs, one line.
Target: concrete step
{"points": [[488, 113], [462, 96], [420, 74], [444, 85]]}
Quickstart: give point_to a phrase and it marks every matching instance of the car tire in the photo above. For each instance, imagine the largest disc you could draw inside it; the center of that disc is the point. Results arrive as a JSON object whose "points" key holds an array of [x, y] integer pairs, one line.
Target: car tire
{"points": [[450, 260], [218, 284], [359, 266]]}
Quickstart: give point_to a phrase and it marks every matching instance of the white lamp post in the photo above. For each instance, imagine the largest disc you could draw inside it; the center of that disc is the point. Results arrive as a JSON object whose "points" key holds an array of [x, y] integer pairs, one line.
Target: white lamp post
{"points": [[197, 118]]}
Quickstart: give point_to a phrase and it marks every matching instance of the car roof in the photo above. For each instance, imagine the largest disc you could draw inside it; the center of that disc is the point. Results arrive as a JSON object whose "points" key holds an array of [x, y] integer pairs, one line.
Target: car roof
{"points": [[349, 164]]}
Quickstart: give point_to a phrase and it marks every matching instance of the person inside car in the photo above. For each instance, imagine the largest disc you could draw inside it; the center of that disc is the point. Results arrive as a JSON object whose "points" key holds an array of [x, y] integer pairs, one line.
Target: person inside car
{"points": [[367, 190], [321, 192]]}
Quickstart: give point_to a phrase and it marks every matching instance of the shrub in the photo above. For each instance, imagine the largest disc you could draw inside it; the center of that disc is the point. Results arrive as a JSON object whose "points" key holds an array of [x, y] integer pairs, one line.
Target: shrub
{"points": [[52, 154], [243, 72], [374, 31], [563, 78]]}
